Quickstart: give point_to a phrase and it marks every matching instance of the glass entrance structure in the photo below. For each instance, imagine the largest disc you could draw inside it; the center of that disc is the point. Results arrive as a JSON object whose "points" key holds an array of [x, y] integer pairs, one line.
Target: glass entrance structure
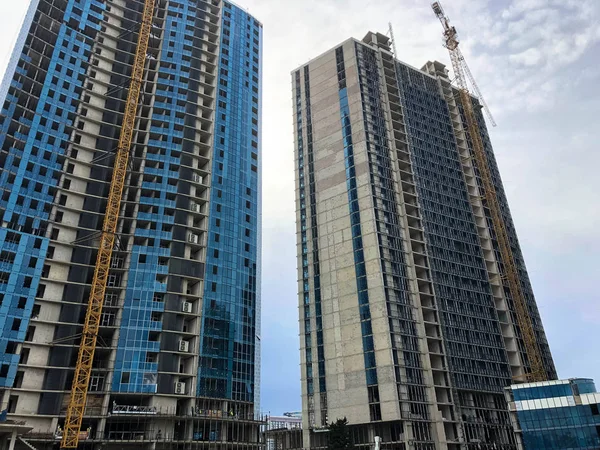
{"points": [[556, 415]]}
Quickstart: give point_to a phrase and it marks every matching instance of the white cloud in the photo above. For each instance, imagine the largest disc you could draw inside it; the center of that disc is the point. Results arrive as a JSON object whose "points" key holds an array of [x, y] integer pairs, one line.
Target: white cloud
{"points": [[529, 57], [529, 43], [522, 6]]}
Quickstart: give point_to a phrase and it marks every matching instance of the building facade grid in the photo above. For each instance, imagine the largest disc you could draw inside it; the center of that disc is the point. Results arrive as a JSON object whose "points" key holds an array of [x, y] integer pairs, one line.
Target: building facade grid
{"points": [[178, 350], [419, 336]]}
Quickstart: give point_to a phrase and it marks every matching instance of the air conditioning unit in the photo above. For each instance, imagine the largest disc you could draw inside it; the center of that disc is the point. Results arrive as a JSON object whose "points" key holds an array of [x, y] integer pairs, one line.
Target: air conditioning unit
{"points": [[186, 307], [195, 207], [193, 238], [197, 178], [184, 346], [180, 388]]}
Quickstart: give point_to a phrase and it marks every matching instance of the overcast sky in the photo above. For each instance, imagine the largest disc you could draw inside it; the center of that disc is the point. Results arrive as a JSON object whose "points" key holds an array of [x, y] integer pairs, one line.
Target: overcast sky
{"points": [[537, 63]]}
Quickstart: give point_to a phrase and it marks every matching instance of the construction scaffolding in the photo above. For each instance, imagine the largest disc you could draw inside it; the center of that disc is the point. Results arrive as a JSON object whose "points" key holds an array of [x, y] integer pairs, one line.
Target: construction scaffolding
{"points": [[207, 425]]}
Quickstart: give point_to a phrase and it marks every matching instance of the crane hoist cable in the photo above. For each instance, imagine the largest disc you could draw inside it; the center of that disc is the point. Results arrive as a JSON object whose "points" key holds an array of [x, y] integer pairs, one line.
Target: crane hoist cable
{"points": [[511, 273], [89, 337]]}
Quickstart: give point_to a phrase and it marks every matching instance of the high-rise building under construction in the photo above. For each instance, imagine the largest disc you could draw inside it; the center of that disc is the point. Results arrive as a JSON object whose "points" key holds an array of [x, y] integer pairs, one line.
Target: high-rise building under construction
{"points": [[407, 323], [177, 351]]}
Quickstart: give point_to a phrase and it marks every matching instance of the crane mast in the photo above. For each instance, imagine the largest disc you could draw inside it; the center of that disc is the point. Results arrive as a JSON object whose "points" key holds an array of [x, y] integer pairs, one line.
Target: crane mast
{"points": [[511, 274], [83, 369]]}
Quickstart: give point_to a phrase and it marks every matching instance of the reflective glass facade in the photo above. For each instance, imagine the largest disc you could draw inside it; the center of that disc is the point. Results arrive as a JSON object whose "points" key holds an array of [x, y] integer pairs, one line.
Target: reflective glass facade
{"points": [[180, 327], [556, 415], [231, 294]]}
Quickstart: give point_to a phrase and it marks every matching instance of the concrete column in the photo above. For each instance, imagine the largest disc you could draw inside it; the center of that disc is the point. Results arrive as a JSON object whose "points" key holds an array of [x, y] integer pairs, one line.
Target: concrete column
{"points": [[13, 440]]}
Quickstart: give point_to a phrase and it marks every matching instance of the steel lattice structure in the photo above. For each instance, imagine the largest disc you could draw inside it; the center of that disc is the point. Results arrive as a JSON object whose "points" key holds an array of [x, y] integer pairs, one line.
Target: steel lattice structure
{"points": [[511, 274], [91, 326]]}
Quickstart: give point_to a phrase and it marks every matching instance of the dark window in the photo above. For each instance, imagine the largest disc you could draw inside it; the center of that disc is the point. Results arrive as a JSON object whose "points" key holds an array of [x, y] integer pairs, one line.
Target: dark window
{"points": [[12, 403], [125, 377], [19, 379], [11, 347], [16, 324], [373, 394], [30, 333], [24, 356], [375, 411]]}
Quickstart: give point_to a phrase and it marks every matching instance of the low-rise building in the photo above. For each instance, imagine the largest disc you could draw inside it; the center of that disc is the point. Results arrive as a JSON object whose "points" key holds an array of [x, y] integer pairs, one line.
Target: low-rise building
{"points": [[284, 422], [556, 415], [284, 432]]}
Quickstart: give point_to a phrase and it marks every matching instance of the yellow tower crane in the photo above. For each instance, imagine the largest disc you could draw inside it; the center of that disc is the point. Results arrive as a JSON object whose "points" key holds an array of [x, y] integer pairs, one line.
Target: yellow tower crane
{"points": [[461, 73], [89, 336]]}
